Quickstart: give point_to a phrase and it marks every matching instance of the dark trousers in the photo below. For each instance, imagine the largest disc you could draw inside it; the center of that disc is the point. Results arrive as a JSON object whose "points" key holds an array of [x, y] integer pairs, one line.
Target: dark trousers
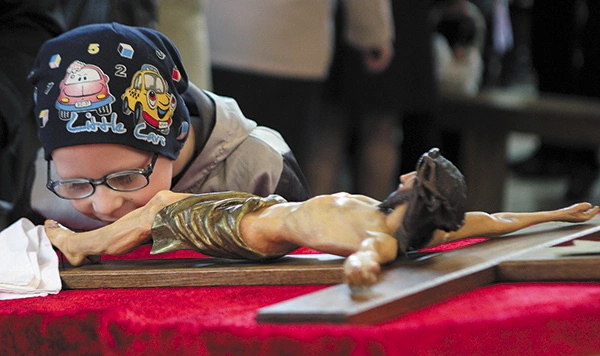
{"points": [[287, 105]]}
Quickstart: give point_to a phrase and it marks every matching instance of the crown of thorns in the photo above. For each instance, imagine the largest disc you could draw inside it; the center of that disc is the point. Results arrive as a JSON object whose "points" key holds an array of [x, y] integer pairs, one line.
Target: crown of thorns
{"points": [[442, 188]]}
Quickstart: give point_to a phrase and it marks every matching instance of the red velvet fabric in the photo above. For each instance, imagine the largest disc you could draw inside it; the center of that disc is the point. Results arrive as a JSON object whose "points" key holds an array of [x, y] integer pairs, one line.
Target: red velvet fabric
{"points": [[503, 319]]}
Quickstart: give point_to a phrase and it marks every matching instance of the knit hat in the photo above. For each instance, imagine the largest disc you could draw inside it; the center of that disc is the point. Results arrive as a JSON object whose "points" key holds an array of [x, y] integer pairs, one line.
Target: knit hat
{"points": [[110, 83]]}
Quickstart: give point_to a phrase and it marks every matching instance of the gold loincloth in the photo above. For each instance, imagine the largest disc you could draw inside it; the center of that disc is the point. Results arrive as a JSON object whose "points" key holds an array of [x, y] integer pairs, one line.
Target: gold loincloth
{"points": [[209, 223]]}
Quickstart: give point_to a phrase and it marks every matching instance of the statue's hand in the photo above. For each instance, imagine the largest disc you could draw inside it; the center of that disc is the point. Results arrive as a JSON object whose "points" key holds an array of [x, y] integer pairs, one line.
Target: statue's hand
{"points": [[579, 212], [360, 269]]}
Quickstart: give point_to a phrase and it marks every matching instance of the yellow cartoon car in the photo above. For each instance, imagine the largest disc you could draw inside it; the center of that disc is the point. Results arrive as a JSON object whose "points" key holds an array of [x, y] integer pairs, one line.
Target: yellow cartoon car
{"points": [[149, 100]]}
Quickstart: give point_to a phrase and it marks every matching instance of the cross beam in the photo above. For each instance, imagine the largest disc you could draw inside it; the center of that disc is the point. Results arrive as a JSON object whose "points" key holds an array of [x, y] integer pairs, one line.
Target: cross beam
{"points": [[202, 272], [406, 286]]}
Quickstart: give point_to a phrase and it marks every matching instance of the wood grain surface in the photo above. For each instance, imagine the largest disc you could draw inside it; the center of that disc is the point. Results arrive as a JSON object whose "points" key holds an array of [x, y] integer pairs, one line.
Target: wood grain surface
{"points": [[289, 270], [566, 262]]}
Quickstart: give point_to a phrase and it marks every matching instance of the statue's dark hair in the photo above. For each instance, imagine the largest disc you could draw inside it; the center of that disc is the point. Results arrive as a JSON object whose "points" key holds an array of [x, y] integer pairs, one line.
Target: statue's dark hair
{"points": [[437, 201]]}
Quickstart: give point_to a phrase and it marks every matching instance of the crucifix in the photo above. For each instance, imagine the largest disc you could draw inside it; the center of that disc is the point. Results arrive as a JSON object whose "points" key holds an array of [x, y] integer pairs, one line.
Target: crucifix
{"points": [[545, 252], [427, 208]]}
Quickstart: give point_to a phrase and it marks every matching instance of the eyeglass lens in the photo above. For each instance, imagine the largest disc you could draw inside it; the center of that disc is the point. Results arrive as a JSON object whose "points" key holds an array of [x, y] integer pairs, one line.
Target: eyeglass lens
{"points": [[119, 181]]}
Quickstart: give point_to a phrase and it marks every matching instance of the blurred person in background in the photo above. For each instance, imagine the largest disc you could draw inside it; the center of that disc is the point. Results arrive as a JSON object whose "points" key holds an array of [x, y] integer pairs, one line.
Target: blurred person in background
{"points": [[273, 56]]}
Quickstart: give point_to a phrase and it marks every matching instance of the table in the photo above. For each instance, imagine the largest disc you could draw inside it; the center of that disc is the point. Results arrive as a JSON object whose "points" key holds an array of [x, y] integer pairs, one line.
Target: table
{"points": [[533, 318], [484, 122]]}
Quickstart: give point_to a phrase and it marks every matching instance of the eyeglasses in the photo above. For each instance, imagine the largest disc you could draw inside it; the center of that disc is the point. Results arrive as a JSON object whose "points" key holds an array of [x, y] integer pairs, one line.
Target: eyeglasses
{"points": [[126, 181]]}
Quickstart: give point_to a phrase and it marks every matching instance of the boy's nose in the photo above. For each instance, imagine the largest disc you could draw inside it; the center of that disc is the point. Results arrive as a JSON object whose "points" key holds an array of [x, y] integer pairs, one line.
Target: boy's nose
{"points": [[106, 202]]}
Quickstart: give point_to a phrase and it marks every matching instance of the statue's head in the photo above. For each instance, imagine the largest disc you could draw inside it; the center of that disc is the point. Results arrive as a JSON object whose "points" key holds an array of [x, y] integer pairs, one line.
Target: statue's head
{"points": [[436, 201]]}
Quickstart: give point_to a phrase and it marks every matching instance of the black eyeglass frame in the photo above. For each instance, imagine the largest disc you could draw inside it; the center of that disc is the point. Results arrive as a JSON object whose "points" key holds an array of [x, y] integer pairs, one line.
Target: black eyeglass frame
{"points": [[146, 172]]}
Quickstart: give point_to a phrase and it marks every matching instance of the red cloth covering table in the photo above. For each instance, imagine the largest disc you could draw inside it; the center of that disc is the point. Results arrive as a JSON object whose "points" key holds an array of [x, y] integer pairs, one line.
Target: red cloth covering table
{"points": [[502, 319]]}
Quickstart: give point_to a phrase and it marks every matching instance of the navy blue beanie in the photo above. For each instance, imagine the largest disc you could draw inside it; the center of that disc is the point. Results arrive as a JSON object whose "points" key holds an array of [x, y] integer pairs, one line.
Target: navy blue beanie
{"points": [[110, 83]]}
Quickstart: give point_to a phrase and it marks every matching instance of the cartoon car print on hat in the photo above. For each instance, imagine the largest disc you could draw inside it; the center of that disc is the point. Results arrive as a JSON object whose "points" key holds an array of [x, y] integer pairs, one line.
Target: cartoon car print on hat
{"points": [[149, 100], [84, 88]]}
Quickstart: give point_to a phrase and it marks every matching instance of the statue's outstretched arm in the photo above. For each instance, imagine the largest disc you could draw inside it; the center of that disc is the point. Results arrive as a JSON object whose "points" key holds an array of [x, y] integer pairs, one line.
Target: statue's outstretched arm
{"points": [[118, 238], [480, 224]]}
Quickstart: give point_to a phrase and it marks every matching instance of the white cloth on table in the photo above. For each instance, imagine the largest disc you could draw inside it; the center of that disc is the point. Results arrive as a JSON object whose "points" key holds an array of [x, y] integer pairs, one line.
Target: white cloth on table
{"points": [[28, 263]]}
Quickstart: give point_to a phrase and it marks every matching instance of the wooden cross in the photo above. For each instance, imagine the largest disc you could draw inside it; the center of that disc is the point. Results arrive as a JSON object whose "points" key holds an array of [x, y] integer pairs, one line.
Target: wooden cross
{"points": [[404, 286]]}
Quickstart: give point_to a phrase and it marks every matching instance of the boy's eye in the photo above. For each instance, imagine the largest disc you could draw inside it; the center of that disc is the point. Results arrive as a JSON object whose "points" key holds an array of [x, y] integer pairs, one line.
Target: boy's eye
{"points": [[128, 181], [76, 187], [122, 180]]}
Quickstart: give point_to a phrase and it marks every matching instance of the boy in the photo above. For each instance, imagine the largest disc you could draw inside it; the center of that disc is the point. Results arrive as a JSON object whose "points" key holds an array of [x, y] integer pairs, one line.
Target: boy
{"points": [[119, 122]]}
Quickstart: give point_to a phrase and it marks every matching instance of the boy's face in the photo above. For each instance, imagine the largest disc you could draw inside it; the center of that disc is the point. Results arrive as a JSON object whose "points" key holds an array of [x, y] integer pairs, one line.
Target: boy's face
{"points": [[95, 161]]}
